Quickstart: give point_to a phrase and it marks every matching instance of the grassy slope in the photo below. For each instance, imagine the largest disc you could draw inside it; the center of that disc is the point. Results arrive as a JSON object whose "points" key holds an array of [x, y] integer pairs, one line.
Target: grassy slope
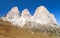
{"points": [[7, 30]]}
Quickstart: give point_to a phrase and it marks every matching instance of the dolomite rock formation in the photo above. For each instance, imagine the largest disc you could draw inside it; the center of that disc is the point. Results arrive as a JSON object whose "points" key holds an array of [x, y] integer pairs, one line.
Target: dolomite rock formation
{"points": [[12, 15], [41, 17], [25, 16]]}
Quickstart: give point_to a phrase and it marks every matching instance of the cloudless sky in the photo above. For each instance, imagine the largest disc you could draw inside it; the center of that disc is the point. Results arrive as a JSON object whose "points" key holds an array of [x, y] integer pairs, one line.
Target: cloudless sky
{"points": [[52, 5]]}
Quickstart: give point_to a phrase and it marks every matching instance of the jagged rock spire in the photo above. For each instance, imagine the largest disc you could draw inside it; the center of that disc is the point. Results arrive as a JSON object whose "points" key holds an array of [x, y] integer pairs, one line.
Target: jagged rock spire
{"points": [[44, 16], [26, 13], [12, 15], [41, 9], [25, 16], [14, 12]]}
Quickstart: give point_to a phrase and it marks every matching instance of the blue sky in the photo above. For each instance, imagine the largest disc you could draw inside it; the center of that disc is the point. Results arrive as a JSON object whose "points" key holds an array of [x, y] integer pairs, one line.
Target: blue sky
{"points": [[52, 5]]}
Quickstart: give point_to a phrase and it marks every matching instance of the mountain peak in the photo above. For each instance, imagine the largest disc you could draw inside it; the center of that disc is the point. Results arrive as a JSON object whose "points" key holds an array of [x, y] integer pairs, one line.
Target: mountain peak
{"points": [[25, 12], [15, 7], [44, 16], [14, 10], [41, 9], [25, 16], [12, 15]]}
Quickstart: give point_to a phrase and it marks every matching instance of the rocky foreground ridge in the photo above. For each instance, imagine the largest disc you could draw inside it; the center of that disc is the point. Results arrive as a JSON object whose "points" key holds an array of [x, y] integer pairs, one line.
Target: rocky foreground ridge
{"points": [[7, 30]]}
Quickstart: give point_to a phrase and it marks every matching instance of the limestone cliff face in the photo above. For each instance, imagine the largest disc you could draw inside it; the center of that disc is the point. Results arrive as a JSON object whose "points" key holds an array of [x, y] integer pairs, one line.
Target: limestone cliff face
{"points": [[43, 16], [12, 15], [26, 13], [25, 16]]}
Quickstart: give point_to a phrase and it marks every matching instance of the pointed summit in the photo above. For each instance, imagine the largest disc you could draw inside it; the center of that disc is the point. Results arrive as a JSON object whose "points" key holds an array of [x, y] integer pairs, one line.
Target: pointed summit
{"points": [[12, 15], [14, 10], [43, 16], [41, 9], [25, 16], [26, 12]]}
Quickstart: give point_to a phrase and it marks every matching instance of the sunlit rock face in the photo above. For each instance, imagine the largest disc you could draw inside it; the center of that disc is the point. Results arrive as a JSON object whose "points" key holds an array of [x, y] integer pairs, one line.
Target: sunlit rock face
{"points": [[12, 15], [25, 16], [43, 16]]}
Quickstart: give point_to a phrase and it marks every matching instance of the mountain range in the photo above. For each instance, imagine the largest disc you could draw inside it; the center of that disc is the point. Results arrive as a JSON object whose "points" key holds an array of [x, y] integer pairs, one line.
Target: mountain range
{"points": [[41, 16], [42, 24]]}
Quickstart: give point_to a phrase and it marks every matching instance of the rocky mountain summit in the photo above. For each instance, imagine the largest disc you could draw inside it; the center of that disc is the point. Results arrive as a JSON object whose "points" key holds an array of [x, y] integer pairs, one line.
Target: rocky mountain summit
{"points": [[44, 16], [12, 15], [24, 18], [41, 17]]}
